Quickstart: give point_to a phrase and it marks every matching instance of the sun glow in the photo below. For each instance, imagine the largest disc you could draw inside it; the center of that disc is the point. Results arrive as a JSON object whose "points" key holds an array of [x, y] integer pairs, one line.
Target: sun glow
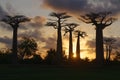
{"points": [[84, 52], [74, 56]]}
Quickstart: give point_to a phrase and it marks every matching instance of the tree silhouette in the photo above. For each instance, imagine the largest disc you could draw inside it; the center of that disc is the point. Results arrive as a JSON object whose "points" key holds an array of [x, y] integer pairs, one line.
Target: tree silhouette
{"points": [[5, 56], [14, 22], [79, 34], [27, 47], [58, 22], [109, 46], [50, 58], [117, 56], [70, 28], [101, 20]]}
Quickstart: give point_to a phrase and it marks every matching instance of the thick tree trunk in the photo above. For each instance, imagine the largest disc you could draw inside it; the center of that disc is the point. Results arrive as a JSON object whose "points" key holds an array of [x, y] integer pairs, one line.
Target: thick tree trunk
{"points": [[59, 44], [14, 46], [78, 48], [99, 45], [70, 46]]}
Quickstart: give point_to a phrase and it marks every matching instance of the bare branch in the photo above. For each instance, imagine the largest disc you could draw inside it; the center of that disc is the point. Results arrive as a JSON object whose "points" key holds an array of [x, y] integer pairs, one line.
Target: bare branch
{"points": [[65, 16], [53, 24], [62, 22], [102, 19], [81, 33], [89, 18], [60, 19], [66, 30], [70, 27], [60, 15], [15, 20], [109, 21], [85, 21]]}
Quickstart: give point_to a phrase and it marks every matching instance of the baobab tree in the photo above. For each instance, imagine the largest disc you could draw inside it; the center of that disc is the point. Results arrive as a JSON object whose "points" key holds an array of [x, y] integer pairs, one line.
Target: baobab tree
{"points": [[108, 42], [70, 28], [14, 22], [79, 34], [57, 23], [101, 20]]}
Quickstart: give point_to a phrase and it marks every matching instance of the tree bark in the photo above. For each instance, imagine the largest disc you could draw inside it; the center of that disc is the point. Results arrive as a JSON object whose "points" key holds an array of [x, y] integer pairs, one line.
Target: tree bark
{"points": [[99, 45], [78, 48], [14, 45], [70, 46], [59, 43]]}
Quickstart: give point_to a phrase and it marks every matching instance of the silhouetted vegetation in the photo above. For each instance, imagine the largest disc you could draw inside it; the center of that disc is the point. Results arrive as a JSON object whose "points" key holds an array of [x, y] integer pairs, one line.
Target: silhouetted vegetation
{"points": [[27, 47], [108, 42], [50, 58], [79, 34], [25, 51], [27, 59], [58, 23], [101, 20], [36, 59], [14, 22], [70, 28], [5, 56]]}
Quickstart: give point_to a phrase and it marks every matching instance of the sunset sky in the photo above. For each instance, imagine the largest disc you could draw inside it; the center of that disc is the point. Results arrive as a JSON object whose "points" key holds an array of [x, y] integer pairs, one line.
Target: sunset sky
{"points": [[39, 11]]}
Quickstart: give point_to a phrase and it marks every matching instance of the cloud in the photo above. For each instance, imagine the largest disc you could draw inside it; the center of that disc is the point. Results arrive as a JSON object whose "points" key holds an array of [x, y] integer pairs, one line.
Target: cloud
{"points": [[37, 34], [6, 41], [5, 26], [2, 12], [83, 6], [90, 43], [37, 21], [10, 9], [66, 5], [115, 43], [50, 43]]}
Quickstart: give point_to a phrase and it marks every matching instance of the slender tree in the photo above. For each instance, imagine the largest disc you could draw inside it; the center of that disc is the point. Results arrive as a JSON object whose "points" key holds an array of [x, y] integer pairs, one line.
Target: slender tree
{"points": [[70, 28], [108, 42], [58, 22], [79, 34], [14, 22], [101, 20]]}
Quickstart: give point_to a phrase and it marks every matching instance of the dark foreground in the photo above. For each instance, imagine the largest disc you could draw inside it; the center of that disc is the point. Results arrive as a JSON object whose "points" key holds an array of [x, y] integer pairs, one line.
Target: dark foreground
{"points": [[47, 72]]}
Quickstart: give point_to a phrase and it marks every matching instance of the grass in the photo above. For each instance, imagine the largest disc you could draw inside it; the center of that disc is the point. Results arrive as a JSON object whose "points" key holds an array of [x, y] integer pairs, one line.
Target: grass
{"points": [[42, 72]]}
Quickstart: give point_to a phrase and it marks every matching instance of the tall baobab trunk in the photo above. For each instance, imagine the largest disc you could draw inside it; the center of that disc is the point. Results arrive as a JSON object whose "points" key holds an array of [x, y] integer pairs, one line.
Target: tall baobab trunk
{"points": [[78, 48], [59, 43], [14, 45], [99, 45], [70, 46]]}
